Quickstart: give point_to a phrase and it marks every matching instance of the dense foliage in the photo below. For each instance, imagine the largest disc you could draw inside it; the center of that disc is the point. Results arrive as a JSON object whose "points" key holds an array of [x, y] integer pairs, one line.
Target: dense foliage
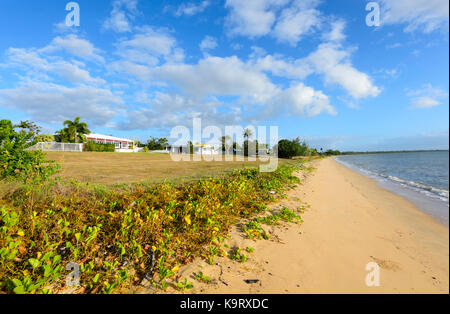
{"points": [[73, 132], [157, 143], [45, 138], [332, 152], [294, 148], [15, 158], [99, 147], [118, 238]]}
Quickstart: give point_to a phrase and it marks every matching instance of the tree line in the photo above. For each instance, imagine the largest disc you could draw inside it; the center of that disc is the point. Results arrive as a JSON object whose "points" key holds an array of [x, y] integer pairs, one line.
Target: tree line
{"points": [[75, 132]]}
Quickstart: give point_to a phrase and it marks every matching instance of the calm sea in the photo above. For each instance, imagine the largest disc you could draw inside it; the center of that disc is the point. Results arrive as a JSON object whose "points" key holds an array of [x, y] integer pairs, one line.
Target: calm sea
{"points": [[420, 177]]}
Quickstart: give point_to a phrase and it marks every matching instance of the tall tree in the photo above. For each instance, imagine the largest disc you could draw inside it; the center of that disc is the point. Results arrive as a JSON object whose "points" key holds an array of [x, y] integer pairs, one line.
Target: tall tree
{"points": [[157, 143], [76, 129], [248, 133], [63, 136], [191, 147], [226, 143], [30, 126]]}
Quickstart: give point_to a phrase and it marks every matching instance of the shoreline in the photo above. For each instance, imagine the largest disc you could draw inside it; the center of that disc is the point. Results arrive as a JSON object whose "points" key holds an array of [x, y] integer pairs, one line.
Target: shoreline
{"points": [[350, 222], [433, 205]]}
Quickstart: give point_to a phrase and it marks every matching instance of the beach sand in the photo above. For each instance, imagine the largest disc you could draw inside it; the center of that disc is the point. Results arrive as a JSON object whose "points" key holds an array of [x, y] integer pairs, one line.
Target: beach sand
{"points": [[349, 223]]}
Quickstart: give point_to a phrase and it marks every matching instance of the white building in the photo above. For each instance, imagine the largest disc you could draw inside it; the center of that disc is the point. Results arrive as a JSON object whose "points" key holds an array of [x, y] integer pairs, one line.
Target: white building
{"points": [[206, 149], [199, 149], [122, 145]]}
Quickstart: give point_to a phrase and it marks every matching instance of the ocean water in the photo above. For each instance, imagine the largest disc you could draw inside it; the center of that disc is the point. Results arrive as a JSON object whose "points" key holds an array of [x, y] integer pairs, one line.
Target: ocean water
{"points": [[420, 177]]}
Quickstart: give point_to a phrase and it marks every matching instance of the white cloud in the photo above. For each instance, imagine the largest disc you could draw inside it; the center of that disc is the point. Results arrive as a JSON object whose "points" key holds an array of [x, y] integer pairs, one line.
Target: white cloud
{"points": [[62, 28], [25, 58], [177, 56], [76, 46], [191, 8], [333, 62], [75, 74], [252, 89], [208, 43], [217, 76], [389, 73], [123, 11], [118, 22], [297, 20], [426, 97], [425, 102], [35, 65], [336, 34], [145, 50], [278, 66], [170, 91], [419, 15], [252, 18], [148, 40], [230, 77], [305, 101], [286, 20], [52, 103], [138, 71], [330, 60], [167, 110]]}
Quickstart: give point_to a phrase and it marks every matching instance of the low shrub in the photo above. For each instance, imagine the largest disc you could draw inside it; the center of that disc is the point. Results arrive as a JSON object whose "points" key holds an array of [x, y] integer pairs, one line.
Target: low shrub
{"points": [[16, 161], [118, 238], [99, 147]]}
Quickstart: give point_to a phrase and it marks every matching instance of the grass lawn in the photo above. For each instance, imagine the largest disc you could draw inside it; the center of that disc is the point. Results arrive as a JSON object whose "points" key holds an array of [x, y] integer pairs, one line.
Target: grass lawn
{"points": [[118, 168]]}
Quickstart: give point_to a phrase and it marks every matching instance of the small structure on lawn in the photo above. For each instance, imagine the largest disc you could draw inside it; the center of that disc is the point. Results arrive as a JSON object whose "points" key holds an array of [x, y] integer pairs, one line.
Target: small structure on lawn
{"points": [[172, 149], [205, 149], [199, 149]]}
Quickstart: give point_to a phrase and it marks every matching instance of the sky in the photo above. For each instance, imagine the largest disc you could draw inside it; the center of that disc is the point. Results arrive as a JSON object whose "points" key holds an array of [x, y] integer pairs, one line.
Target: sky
{"points": [[316, 69]]}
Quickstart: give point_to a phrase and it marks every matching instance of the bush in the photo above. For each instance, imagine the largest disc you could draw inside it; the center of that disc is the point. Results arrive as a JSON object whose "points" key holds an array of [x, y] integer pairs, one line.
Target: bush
{"points": [[16, 160], [157, 143], [118, 238], [331, 152], [45, 138], [289, 149], [99, 147], [286, 149]]}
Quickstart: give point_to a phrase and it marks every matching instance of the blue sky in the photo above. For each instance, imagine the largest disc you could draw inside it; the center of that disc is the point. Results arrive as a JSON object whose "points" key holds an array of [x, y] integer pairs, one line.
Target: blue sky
{"points": [[136, 68]]}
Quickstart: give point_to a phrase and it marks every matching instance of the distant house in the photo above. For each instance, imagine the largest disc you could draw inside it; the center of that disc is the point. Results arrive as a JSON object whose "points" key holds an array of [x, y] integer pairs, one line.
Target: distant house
{"points": [[206, 149], [199, 149], [122, 145], [176, 149]]}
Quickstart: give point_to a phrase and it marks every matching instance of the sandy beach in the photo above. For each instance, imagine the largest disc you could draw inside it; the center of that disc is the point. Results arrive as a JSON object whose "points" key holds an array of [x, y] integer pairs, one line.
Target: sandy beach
{"points": [[349, 222]]}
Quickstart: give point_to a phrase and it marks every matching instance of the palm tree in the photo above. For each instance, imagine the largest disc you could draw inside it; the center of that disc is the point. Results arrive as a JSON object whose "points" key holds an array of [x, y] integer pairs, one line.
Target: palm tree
{"points": [[248, 133], [76, 129]]}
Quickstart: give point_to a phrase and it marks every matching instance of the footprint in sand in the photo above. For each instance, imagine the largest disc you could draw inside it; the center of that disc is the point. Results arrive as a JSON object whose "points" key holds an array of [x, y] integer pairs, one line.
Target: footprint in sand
{"points": [[385, 264]]}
